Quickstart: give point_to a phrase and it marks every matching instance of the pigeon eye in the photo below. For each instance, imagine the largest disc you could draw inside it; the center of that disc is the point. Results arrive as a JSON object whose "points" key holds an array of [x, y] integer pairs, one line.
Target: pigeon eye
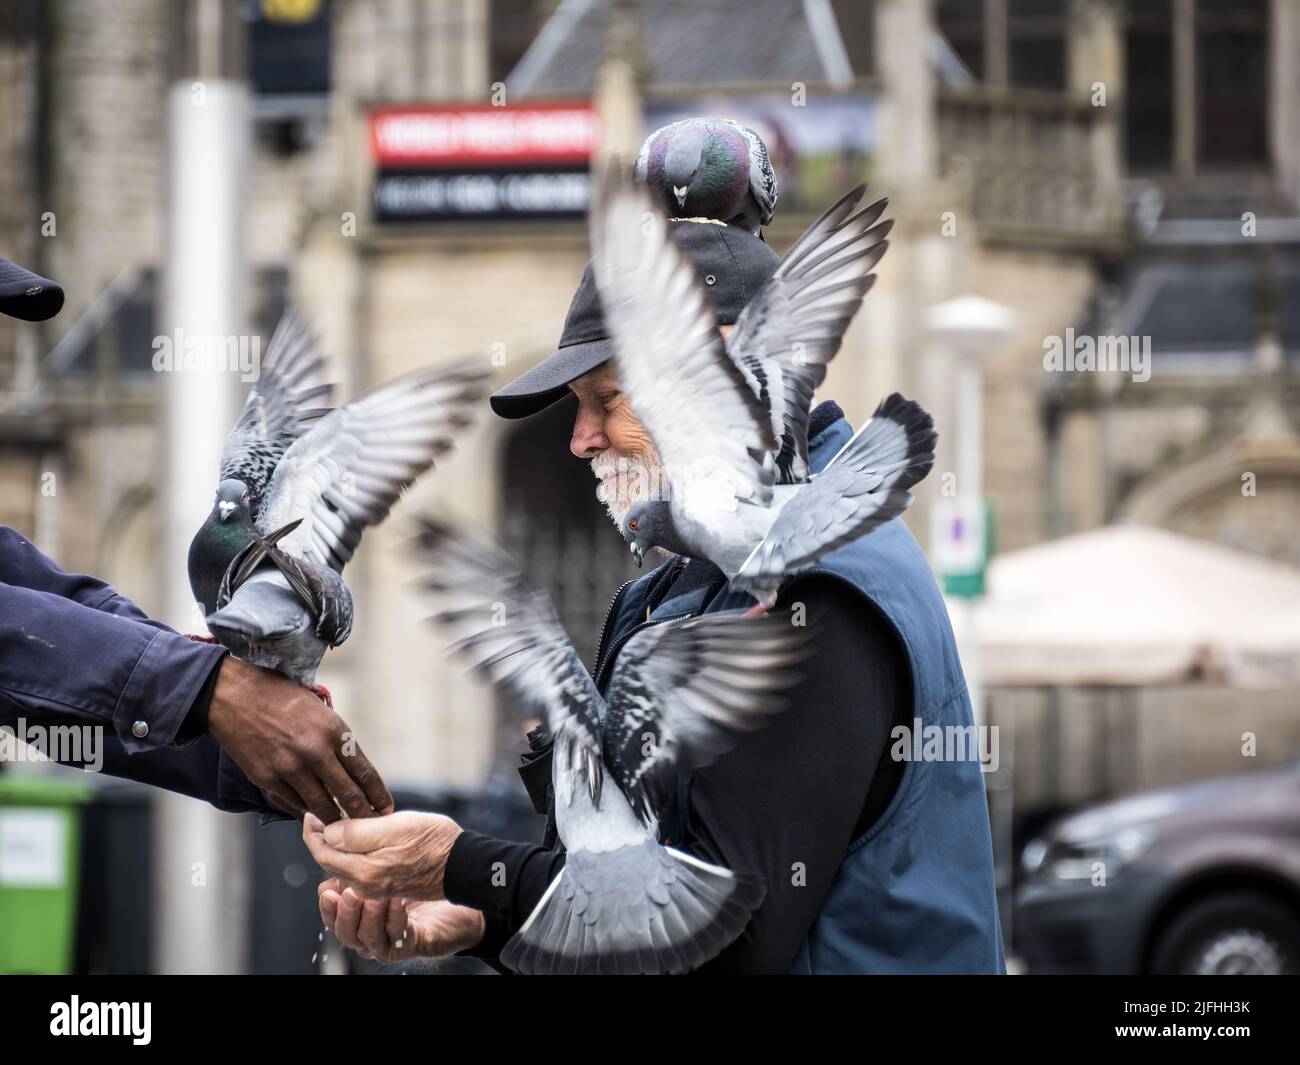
{"points": [[632, 524], [243, 497]]}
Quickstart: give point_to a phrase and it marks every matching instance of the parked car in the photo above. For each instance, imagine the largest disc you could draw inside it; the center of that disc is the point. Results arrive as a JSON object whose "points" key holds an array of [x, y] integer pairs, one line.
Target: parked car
{"points": [[1202, 879]]}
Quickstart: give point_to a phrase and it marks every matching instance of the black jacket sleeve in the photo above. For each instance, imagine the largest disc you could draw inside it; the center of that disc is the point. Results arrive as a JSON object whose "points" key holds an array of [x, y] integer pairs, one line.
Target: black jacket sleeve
{"points": [[785, 803]]}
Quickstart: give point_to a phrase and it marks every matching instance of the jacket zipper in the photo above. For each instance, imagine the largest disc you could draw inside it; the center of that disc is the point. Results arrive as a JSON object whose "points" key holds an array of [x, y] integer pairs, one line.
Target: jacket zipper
{"points": [[604, 627], [627, 636], [603, 655]]}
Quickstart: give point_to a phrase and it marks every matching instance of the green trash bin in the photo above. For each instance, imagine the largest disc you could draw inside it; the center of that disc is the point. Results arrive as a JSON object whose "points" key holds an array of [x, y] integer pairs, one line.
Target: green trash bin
{"points": [[40, 834]]}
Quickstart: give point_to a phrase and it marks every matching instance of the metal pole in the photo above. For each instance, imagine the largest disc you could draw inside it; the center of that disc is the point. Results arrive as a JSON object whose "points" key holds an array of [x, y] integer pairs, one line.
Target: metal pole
{"points": [[201, 853]]}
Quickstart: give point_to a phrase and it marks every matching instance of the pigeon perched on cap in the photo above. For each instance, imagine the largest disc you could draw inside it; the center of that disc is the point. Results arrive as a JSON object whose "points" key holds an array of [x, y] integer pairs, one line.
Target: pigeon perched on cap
{"points": [[293, 503], [623, 902], [729, 418], [710, 168]]}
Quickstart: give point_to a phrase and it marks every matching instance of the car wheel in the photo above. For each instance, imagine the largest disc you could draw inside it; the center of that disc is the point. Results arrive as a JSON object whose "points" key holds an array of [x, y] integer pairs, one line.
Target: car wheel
{"points": [[1239, 933]]}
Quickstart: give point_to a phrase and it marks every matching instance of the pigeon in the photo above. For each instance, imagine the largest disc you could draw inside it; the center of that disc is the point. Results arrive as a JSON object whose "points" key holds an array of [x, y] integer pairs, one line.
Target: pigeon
{"points": [[281, 601], [623, 903], [729, 418], [710, 168], [289, 397]]}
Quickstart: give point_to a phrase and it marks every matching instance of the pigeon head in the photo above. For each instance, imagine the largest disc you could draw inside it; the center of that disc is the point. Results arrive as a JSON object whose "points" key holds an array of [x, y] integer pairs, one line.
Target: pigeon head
{"points": [[705, 171], [232, 499], [682, 162], [648, 524]]}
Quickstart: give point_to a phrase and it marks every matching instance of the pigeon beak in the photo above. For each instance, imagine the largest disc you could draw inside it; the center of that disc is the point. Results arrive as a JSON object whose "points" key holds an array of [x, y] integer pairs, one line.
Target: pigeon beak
{"points": [[637, 554], [680, 192], [226, 508]]}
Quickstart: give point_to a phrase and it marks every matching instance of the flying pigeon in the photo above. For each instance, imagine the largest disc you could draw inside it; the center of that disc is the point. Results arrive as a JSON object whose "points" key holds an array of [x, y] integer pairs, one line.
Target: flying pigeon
{"points": [[729, 418], [289, 397], [623, 902], [710, 168], [281, 600]]}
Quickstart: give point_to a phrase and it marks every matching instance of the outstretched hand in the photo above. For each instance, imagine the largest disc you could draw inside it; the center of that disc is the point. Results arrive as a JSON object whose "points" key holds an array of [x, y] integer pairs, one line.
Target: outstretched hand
{"points": [[401, 855], [393, 930]]}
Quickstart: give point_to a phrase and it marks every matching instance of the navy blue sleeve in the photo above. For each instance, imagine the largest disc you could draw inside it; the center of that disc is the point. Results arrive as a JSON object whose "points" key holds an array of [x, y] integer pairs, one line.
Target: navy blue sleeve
{"points": [[70, 643], [24, 566], [136, 679]]}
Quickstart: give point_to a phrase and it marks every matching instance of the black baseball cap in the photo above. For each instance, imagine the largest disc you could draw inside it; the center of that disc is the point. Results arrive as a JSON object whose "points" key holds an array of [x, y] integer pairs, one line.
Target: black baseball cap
{"points": [[26, 295], [732, 263]]}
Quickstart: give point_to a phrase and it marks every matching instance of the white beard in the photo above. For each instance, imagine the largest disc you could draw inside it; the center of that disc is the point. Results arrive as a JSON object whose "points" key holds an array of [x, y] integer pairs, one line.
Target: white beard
{"points": [[625, 481]]}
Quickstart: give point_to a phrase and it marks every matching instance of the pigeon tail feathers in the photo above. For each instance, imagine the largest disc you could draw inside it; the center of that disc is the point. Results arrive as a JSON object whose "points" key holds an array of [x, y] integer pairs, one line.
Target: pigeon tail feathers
{"points": [[638, 909]]}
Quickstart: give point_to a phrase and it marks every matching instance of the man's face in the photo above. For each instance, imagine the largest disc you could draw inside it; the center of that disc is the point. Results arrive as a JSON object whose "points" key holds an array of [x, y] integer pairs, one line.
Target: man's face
{"points": [[610, 435]]}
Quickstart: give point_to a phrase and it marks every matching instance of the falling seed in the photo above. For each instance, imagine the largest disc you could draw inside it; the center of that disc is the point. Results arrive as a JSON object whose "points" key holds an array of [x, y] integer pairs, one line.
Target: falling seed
{"points": [[313, 959], [320, 937]]}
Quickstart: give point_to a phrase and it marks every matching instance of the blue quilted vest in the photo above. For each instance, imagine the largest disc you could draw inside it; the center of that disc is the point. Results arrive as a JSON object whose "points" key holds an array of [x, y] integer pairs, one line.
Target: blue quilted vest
{"points": [[915, 893]]}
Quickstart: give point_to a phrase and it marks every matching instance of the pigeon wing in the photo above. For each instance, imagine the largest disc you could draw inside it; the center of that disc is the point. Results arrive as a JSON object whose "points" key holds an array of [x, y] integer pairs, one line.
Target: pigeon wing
{"points": [[289, 397], [704, 418], [683, 690], [762, 178], [793, 327], [348, 471], [319, 589], [506, 628], [863, 486]]}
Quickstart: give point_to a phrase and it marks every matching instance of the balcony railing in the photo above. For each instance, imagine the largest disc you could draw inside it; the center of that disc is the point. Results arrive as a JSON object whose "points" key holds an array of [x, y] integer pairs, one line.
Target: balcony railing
{"points": [[1032, 165]]}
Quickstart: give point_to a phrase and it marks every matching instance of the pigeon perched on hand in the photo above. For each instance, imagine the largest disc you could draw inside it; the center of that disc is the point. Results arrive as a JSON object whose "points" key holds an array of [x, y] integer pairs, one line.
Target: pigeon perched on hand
{"points": [[623, 903], [281, 601], [289, 397], [710, 168], [729, 418]]}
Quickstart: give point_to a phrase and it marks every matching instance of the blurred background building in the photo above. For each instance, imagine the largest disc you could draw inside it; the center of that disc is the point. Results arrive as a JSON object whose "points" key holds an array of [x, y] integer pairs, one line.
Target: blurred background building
{"points": [[416, 181]]}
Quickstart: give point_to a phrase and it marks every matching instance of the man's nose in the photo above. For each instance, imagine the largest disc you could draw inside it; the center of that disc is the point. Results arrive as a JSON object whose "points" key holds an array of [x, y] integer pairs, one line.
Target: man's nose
{"points": [[589, 438]]}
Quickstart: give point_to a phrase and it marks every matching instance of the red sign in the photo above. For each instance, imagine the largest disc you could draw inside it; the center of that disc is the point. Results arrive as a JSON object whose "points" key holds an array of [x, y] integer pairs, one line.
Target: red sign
{"points": [[536, 134]]}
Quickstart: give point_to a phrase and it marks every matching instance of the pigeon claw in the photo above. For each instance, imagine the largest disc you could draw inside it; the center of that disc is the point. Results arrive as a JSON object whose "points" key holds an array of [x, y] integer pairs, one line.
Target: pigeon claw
{"points": [[756, 611], [201, 639], [322, 693]]}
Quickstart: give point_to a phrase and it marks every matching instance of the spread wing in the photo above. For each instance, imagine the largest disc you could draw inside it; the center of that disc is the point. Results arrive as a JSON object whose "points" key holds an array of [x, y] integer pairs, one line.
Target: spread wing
{"points": [[348, 471], [863, 486], [682, 691], [706, 423], [507, 630], [793, 327], [289, 396]]}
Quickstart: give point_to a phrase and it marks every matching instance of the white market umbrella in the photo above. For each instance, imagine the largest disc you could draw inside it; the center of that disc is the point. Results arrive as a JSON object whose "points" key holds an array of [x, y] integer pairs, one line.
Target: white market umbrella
{"points": [[1134, 605]]}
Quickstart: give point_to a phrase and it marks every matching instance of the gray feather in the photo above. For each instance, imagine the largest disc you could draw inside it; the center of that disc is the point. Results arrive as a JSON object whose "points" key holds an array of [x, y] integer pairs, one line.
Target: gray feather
{"points": [[793, 327], [863, 486], [638, 910], [289, 396]]}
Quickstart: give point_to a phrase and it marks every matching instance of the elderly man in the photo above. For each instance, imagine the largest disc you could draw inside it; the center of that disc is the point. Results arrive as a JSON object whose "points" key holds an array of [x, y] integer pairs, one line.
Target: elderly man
{"points": [[873, 863]]}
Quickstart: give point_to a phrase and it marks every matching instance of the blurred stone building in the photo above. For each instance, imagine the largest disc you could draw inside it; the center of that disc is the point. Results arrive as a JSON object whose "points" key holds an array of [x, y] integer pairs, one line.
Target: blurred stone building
{"points": [[1111, 168]]}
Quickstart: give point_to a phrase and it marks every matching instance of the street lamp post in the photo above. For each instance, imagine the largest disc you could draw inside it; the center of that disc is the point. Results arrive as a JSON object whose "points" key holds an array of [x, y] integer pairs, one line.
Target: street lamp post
{"points": [[968, 328]]}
